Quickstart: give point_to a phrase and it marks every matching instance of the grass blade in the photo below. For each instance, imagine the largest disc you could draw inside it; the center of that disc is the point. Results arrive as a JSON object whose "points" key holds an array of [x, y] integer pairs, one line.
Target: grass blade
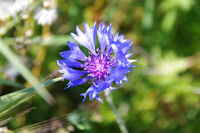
{"points": [[52, 40], [10, 83], [14, 99], [25, 72]]}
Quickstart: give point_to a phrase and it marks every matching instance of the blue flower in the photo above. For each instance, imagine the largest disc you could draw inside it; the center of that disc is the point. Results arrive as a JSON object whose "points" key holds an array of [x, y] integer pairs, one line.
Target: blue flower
{"points": [[101, 66]]}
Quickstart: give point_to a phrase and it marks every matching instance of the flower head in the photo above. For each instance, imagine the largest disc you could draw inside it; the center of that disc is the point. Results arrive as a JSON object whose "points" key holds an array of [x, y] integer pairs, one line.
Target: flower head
{"points": [[18, 6], [5, 9], [12, 8], [45, 16], [101, 66]]}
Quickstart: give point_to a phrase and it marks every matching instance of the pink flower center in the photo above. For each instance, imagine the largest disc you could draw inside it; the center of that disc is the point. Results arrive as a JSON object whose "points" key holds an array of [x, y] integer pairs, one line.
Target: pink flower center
{"points": [[97, 65]]}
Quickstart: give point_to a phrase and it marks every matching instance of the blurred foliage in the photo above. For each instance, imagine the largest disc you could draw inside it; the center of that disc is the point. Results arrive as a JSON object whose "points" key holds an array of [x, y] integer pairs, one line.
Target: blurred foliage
{"points": [[163, 94]]}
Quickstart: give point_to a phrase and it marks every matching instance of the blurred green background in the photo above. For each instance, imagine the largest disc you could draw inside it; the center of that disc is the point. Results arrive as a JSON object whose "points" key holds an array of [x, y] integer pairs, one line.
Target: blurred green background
{"points": [[163, 94]]}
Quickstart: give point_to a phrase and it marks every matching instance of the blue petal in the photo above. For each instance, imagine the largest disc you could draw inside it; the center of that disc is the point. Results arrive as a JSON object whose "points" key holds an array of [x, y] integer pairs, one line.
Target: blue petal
{"points": [[109, 89], [103, 37], [102, 85], [94, 90], [76, 82], [68, 62], [73, 54], [131, 60], [121, 45], [71, 74], [122, 58], [118, 73], [75, 50], [91, 34], [93, 93], [126, 79], [73, 46], [86, 39], [130, 65], [120, 42], [129, 55], [86, 93], [125, 50]]}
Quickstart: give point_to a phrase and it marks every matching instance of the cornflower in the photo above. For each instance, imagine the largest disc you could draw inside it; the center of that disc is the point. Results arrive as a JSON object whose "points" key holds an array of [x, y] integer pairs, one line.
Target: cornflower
{"points": [[101, 66]]}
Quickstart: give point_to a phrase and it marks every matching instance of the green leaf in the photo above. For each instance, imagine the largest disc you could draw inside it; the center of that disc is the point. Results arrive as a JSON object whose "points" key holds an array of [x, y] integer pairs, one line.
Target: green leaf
{"points": [[10, 83], [12, 100]]}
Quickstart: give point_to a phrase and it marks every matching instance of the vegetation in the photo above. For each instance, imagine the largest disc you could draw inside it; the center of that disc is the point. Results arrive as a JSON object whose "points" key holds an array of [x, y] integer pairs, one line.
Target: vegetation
{"points": [[163, 93]]}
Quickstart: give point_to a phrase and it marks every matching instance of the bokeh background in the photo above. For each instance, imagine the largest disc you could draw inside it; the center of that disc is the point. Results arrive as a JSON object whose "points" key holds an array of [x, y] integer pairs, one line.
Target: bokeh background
{"points": [[163, 94]]}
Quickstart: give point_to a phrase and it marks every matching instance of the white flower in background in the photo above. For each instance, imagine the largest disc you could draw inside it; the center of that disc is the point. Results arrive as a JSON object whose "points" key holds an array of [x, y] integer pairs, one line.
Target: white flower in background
{"points": [[19, 5], [5, 9], [12, 7], [45, 16]]}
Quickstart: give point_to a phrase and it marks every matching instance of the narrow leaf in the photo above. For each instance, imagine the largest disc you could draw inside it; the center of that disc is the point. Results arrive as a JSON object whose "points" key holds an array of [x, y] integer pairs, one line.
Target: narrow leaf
{"points": [[25, 72]]}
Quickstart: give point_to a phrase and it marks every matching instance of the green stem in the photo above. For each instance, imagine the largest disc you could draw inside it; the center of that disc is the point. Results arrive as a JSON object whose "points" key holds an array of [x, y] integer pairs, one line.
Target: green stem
{"points": [[118, 118]]}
